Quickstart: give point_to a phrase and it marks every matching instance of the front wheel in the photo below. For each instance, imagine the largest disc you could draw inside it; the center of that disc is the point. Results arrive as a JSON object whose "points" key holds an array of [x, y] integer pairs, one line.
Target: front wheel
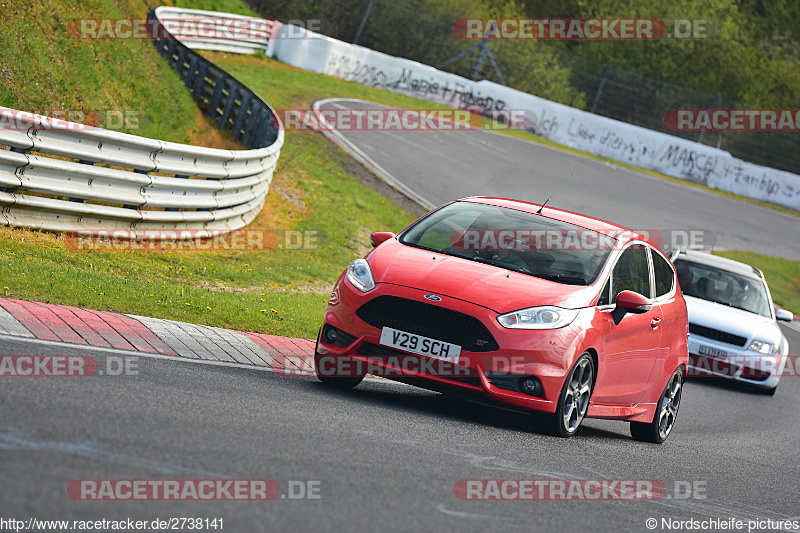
{"points": [[666, 414], [331, 372], [573, 402]]}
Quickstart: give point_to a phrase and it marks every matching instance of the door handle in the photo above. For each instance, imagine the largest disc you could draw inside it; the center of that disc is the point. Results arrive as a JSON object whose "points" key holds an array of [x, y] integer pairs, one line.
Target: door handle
{"points": [[655, 322]]}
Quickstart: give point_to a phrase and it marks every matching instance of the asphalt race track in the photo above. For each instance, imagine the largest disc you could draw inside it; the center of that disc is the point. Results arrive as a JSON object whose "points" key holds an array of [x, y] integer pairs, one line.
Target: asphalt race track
{"points": [[387, 456], [440, 166]]}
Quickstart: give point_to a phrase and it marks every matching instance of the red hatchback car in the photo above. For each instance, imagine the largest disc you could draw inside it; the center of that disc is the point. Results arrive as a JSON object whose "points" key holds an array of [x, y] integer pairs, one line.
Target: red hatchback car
{"points": [[519, 305]]}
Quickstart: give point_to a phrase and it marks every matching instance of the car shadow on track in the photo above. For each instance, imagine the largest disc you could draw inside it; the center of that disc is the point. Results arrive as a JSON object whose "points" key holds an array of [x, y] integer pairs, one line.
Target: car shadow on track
{"points": [[434, 404], [726, 384]]}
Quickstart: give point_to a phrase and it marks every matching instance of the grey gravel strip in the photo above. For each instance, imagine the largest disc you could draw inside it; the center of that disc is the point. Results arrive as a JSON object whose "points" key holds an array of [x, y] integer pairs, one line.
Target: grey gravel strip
{"points": [[247, 346], [12, 326], [207, 342], [191, 337], [158, 327], [221, 349]]}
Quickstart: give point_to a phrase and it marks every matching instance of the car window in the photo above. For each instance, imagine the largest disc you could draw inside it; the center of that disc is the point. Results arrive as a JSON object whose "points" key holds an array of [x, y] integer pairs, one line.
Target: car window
{"points": [[437, 236], [723, 287], [515, 240], [632, 272], [663, 274]]}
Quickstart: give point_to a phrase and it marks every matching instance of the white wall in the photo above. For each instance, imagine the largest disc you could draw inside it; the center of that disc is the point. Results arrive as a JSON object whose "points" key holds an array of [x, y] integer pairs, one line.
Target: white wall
{"points": [[572, 127]]}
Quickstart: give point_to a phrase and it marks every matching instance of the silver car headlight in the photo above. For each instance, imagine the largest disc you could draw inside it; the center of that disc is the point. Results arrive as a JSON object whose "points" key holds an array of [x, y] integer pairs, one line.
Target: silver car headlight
{"points": [[761, 347], [547, 317], [360, 275]]}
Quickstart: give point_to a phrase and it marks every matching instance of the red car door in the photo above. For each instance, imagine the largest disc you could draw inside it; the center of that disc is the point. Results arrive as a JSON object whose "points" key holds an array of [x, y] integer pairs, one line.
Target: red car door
{"points": [[632, 342]]}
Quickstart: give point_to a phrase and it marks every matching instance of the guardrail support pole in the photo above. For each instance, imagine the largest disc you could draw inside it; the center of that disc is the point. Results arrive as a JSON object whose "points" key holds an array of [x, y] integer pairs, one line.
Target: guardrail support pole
{"points": [[220, 84]]}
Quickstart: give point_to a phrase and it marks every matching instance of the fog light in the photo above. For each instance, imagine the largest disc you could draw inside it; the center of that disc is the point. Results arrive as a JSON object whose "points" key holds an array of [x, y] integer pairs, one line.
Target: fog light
{"points": [[530, 385], [330, 334]]}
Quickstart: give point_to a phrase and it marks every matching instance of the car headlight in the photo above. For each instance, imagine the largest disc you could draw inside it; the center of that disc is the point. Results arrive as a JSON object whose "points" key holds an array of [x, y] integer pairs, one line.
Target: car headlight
{"points": [[547, 317], [761, 347], [360, 275]]}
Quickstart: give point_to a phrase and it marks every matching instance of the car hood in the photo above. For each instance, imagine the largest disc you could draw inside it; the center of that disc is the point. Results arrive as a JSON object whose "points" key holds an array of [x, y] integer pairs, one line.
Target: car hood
{"points": [[732, 320], [489, 286]]}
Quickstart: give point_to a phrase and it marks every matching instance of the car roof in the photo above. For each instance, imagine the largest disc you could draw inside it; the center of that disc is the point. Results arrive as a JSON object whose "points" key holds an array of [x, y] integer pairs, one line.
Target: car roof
{"points": [[576, 219], [721, 263]]}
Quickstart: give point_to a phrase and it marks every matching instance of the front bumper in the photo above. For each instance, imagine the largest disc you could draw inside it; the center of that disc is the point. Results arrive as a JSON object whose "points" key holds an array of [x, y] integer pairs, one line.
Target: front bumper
{"points": [[708, 357], [488, 376]]}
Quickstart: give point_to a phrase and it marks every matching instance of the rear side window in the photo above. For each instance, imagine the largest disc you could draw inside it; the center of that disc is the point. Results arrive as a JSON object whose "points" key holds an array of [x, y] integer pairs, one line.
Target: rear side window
{"points": [[663, 274], [632, 272]]}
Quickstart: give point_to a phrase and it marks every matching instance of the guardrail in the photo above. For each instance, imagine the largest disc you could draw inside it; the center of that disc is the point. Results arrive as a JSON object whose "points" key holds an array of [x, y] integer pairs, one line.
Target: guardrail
{"points": [[73, 177], [202, 30]]}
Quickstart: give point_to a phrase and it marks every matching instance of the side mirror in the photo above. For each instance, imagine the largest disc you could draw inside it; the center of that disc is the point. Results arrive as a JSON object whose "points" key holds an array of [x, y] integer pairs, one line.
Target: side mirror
{"points": [[379, 237], [784, 315], [630, 302]]}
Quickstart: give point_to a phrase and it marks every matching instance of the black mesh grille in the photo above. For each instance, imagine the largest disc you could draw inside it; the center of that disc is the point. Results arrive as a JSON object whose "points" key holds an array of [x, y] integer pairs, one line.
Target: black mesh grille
{"points": [[717, 335], [429, 321]]}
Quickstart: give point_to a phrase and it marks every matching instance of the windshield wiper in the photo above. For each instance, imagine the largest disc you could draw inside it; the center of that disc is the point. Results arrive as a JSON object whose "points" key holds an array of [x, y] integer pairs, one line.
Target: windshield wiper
{"points": [[499, 264], [569, 280]]}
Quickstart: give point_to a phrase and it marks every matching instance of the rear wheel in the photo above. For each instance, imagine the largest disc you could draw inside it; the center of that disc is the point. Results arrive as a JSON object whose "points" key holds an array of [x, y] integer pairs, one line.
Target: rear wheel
{"points": [[573, 402], [666, 414]]}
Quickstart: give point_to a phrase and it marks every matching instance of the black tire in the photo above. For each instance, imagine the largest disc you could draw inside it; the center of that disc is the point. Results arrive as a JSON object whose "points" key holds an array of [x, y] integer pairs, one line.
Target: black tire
{"points": [[340, 382], [573, 402], [666, 413]]}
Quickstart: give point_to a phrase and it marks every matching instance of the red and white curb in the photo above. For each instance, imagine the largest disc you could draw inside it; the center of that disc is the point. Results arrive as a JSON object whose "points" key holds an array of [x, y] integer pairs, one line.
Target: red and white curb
{"points": [[103, 329]]}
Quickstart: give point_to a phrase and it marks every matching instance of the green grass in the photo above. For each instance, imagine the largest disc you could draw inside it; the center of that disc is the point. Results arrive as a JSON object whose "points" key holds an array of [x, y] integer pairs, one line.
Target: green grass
{"points": [[782, 275], [44, 68]]}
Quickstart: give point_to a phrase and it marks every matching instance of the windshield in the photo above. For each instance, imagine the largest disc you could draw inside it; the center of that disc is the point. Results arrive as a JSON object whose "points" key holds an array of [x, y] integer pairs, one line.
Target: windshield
{"points": [[513, 240], [723, 287]]}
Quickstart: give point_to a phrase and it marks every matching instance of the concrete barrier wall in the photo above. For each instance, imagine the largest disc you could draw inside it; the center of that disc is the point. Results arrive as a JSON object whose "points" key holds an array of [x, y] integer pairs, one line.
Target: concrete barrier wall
{"points": [[572, 127]]}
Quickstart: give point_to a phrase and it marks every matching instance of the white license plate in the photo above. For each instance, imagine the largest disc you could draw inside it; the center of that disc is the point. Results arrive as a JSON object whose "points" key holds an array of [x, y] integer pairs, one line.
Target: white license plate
{"points": [[420, 345], [712, 352]]}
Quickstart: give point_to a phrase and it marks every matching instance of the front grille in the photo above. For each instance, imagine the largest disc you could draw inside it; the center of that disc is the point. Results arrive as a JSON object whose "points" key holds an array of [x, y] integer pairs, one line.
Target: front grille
{"points": [[717, 335], [441, 369], [429, 321]]}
